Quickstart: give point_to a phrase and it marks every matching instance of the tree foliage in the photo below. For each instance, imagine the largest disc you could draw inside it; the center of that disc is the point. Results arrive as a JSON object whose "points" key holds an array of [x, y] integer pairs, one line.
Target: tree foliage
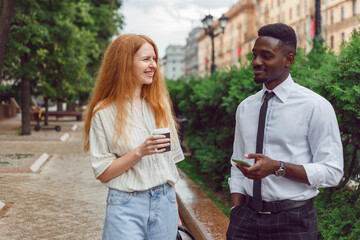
{"points": [[56, 45], [6, 13]]}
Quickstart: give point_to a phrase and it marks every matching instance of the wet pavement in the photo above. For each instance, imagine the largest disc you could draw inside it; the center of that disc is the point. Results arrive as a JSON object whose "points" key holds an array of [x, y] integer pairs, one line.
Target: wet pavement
{"points": [[62, 200], [202, 217]]}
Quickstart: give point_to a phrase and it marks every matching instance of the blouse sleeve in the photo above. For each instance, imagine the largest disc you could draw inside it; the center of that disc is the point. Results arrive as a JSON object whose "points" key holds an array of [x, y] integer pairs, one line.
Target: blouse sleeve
{"points": [[100, 156], [176, 150]]}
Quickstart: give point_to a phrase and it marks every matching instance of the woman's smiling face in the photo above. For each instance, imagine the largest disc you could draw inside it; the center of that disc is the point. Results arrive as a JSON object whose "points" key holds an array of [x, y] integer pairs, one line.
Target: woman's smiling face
{"points": [[144, 64]]}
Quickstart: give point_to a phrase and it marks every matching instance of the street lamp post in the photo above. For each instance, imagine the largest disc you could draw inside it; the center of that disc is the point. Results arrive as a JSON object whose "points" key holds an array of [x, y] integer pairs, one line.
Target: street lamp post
{"points": [[210, 30], [317, 19]]}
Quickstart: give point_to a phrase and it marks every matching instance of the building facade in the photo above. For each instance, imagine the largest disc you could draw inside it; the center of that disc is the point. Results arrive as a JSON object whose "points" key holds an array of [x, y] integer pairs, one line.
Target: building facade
{"points": [[174, 62], [191, 53], [338, 19]]}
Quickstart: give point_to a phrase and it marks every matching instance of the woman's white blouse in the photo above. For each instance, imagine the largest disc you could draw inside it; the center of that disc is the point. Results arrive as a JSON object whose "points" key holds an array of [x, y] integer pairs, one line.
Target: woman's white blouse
{"points": [[151, 170]]}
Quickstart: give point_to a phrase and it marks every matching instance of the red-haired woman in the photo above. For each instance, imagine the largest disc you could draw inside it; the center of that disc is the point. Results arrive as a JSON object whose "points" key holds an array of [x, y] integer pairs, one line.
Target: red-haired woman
{"points": [[129, 101]]}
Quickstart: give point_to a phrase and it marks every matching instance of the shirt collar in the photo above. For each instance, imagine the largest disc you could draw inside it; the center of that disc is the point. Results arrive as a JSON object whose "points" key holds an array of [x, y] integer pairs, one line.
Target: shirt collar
{"points": [[283, 90]]}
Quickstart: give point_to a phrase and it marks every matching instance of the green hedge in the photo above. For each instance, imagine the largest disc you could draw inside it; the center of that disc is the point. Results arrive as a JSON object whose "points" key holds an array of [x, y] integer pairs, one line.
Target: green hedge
{"points": [[210, 103]]}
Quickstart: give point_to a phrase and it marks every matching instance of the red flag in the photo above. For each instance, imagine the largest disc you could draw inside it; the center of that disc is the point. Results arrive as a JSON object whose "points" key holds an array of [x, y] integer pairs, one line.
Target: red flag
{"points": [[312, 28], [238, 51]]}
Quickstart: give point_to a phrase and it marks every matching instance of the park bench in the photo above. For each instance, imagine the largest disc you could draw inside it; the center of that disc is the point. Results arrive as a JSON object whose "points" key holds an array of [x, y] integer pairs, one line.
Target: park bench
{"points": [[76, 114]]}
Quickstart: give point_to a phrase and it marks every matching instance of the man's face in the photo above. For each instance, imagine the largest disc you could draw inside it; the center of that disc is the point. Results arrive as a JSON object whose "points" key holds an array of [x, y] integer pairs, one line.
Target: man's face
{"points": [[269, 62]]}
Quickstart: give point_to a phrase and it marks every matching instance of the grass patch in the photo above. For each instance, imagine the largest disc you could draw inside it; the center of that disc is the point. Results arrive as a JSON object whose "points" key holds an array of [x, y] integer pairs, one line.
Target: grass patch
{"points": [[14, 160], [18, 156], [221, 199]]}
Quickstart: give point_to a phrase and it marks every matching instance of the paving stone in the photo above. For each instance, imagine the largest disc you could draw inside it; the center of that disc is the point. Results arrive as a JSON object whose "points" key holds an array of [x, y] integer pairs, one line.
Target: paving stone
{"points": [[62, 201]]}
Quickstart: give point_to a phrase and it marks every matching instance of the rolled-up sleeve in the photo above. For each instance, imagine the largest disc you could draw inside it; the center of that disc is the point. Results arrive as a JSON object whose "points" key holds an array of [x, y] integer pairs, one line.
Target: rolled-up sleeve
{"points": [[176, 151], [326, 170], [237, 178], [100, 156], [236, 181]]}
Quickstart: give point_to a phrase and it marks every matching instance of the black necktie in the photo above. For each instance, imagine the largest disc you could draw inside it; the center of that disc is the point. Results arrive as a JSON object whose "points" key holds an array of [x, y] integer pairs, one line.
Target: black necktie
{"points": [[257, 200]]}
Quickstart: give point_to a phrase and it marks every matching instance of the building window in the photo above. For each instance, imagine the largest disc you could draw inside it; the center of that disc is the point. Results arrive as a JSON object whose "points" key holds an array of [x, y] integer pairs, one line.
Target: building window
{"points": [[332, 42], [279, 20], [354, 8], [174, 68], [278, 3], [342, 37], [332, 17], [298, 10], [298, 33], [342, 12], [290, 14]]}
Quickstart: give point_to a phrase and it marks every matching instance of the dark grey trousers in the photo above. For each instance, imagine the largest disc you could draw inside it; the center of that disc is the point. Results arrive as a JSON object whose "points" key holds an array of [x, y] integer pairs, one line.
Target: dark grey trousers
{"points": [[297, 223]]}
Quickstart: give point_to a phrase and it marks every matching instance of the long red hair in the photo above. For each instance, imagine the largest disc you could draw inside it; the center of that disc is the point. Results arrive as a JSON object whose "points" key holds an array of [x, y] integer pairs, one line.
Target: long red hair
{"points": [[116, 83]]}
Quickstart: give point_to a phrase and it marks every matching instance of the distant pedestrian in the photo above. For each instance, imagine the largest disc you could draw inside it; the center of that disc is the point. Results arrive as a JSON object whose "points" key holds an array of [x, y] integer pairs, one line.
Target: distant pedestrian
{"points": [[131, 100], [291, 136]]}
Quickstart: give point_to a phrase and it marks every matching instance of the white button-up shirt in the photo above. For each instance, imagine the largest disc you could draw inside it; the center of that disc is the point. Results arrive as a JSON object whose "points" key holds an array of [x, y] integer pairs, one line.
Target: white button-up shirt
{"points": [[151, 170], [300, 128]]}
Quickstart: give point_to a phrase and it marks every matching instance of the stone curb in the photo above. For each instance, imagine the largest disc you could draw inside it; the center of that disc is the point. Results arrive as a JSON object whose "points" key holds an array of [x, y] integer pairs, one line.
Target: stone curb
{"points": [[199, 213], [64, 137], [190, 221], [39, 162], [74, 127]]}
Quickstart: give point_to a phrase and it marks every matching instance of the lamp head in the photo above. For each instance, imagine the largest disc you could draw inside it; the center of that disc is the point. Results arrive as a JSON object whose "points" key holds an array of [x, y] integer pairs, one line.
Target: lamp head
{"points": [[223, 20], [208, 21]]}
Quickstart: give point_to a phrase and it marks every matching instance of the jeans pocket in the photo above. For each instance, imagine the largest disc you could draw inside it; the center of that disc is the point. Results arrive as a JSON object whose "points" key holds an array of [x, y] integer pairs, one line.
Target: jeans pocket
{"points": [[170, 194], [117, 197]]}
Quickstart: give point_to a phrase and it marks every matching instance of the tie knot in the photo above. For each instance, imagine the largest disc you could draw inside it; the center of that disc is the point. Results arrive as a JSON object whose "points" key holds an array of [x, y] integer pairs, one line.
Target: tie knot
{"points": [[269, 95]]}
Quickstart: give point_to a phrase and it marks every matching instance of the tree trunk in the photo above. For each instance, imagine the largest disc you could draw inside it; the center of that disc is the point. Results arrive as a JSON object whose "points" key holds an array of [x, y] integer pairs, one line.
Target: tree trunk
{"points": [[25, 106], [46, 117], [25, 100], [6, 13], [59, 105]]}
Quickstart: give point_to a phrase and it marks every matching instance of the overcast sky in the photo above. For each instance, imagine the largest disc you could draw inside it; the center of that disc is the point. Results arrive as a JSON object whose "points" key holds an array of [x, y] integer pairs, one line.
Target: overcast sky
{"points": [[169, 21]]}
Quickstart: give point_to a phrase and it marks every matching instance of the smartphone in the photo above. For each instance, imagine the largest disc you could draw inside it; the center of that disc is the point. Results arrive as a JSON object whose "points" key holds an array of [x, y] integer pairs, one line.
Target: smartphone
{"points": [[241, 162]]}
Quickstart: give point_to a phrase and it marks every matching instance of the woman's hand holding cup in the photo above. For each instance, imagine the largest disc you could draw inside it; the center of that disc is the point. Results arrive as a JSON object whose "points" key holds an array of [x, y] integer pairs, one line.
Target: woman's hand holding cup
{"points": [[157, 143]]}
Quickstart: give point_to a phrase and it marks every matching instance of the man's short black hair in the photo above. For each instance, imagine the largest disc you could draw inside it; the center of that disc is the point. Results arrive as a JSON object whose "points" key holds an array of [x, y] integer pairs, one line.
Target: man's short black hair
{"points": [[283, 32]]}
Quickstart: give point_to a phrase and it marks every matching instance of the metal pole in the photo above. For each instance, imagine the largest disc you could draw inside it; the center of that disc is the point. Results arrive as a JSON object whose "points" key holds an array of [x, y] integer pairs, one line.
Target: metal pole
{"points": [[317, 19], [213, 65]]}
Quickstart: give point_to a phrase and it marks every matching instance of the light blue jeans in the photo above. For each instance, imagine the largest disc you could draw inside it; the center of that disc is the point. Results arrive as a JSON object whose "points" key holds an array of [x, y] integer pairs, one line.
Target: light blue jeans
{"points": [[150, 214]]}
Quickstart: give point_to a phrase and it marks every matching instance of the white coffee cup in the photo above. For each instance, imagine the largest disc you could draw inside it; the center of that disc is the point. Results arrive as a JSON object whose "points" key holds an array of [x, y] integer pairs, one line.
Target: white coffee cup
{"points": [[163, 131]]}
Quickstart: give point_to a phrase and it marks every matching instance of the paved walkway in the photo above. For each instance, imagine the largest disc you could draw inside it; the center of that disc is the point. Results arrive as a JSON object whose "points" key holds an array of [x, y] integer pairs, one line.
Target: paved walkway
{"points": [[63, 200]]}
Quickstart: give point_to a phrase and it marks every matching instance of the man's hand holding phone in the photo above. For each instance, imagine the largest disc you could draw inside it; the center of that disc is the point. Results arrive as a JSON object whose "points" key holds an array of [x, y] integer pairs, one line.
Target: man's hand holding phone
{"points": [[241, 162]]}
